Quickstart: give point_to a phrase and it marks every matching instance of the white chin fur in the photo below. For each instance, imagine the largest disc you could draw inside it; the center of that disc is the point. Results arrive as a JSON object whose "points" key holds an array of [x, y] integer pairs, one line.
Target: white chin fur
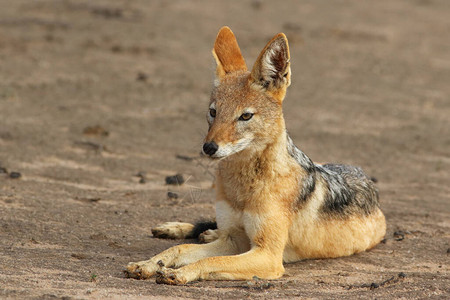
{"points": [[229, 149]]}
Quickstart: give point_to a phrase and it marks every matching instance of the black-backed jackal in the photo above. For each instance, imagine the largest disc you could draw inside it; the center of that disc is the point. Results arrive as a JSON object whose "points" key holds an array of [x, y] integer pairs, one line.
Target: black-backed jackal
{"points": [[273, 203]]}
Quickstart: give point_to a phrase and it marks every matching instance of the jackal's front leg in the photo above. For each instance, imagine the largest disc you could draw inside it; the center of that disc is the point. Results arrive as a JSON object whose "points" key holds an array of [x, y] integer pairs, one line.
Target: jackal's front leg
{"points": [[268, 235], [256, 262], [182, 255]]}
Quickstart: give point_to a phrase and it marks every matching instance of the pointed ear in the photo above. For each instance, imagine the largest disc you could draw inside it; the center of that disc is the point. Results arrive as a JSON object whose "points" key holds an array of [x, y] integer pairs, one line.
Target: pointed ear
{"points": [[227, 53], [272, 71]]}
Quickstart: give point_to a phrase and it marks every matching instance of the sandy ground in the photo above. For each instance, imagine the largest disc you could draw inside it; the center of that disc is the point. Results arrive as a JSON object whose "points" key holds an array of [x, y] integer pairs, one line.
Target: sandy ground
{"points": [[371, 87]]}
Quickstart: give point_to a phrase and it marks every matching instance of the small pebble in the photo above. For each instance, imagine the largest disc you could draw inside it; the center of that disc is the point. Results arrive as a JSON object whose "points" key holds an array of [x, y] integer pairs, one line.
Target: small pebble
{"points": [[175, 179], [172, 195], [374, 285], [142, 179], [141, 76], [15, 175], [95, 130], [399, 235]]}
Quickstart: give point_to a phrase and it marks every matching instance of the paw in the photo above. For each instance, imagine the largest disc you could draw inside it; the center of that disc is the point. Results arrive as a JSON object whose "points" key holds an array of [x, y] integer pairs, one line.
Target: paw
{"points": [[169, 276], [208, 236], [141, 270], [172, 230]]}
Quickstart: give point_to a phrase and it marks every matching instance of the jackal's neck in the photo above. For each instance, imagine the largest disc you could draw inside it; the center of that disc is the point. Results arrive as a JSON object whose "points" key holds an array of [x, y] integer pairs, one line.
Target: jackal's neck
{"points": [[277, 158], [299, 156], [272, 160], [249, 176]]}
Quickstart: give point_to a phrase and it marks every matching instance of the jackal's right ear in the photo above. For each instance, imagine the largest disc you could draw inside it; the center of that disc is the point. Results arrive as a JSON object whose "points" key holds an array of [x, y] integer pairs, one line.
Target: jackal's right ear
{"points": [[272, 71], [227, 53]]}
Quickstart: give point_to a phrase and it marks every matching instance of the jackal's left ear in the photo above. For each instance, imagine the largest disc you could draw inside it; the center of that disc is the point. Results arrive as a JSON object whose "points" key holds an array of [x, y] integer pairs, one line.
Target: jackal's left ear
{"points": [[227, 53], [272, 71]]}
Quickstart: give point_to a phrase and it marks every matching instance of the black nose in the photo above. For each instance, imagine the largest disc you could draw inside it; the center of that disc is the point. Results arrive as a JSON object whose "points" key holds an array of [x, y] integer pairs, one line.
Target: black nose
{"points": [[210, 148]]}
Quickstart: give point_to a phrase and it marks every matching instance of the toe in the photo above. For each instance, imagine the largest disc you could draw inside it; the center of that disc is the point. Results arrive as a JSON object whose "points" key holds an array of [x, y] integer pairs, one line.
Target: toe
{"points": [[168, 278], [136, 271]]}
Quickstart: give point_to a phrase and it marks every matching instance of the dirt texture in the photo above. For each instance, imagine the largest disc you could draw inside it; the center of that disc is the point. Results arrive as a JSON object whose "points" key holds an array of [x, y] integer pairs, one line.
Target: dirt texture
{"points": [[100, 101]]}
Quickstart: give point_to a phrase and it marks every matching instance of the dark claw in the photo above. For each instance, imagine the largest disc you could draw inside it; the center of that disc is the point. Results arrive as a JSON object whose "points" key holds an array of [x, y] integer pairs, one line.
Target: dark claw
{"points": [[166, 278], [133, 275], [126, 273], [160, 277]]}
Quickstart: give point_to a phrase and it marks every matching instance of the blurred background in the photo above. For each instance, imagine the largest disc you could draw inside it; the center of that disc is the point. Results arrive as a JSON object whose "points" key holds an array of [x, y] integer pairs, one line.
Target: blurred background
{"points": [[101, 100]]}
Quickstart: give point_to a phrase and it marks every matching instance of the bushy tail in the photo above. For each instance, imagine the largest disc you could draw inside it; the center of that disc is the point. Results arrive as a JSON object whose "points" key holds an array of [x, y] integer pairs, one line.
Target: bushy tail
{"points": [[200, 227], [179, 230]]}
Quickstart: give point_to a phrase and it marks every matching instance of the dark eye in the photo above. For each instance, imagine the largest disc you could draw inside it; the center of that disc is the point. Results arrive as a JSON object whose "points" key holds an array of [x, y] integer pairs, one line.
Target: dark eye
{"points": [[245, 116], [212, 112]]}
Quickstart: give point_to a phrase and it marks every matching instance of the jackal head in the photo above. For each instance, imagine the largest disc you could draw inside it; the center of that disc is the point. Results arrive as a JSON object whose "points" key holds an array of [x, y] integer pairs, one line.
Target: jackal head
{"points": [[245, 111]]}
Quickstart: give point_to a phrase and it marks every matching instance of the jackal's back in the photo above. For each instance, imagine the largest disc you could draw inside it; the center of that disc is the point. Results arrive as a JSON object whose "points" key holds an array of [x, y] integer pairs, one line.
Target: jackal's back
{"points": [[349, 191]]}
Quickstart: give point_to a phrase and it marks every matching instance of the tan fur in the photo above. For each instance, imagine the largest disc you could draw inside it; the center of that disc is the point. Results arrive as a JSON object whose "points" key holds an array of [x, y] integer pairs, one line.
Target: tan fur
{"points": [[277, 92], [313, 237], [260, 222], [227, 53], [172, 230], [208, 236]]}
